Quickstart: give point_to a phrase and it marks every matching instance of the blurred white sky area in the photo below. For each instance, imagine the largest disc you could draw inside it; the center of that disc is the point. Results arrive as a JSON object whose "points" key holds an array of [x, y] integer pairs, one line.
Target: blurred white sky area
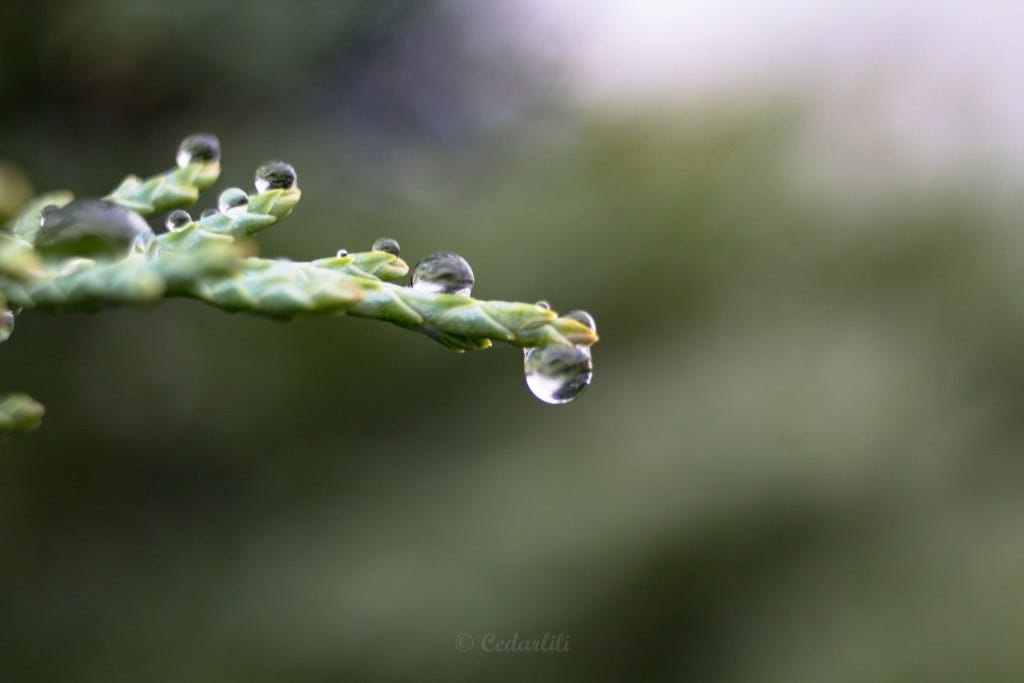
{"points": [[931, 80]]}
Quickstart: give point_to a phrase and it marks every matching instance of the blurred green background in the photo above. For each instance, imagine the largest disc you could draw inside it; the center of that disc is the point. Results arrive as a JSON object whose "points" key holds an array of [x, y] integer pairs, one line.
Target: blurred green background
{"points": [[800, 459]]}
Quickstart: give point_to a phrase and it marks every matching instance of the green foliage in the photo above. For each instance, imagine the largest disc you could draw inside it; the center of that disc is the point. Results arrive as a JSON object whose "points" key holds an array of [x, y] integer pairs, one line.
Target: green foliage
{"points": [[66, 254], [19, 413]]}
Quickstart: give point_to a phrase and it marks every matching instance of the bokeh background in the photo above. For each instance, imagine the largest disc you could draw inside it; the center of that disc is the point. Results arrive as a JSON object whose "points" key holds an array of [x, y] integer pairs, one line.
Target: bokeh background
{"points": [[798, 226]]}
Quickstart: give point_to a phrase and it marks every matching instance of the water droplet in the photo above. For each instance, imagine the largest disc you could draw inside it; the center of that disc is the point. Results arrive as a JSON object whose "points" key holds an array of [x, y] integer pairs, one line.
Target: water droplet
{"points": [[388, 245], [275, 175], [557, 374], [342, 253], [582, 317], [543, 304], [46, 211], [208, 212], [177, 219], [93, 228], [203, 147], [233, 201], [6, 324], [443, 272]]}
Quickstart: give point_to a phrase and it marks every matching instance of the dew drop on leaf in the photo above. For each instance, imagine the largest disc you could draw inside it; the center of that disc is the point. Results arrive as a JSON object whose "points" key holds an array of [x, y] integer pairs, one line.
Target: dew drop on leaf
{"points": [[46, 211], [233, 201], [558, 374], [177, 219], [582, 317], [207, 213], [275, 175], [444, 273], [202, 147], [388, 245], [92, 228]]}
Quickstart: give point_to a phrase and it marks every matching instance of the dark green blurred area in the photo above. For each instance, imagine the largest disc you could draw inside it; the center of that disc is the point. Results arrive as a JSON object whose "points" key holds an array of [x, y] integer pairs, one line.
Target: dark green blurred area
{"points": [[800, 459]]}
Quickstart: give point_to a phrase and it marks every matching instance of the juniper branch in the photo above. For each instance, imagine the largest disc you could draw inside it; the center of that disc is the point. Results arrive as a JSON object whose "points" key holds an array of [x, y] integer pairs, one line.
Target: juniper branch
{"points": [[88, 254]]}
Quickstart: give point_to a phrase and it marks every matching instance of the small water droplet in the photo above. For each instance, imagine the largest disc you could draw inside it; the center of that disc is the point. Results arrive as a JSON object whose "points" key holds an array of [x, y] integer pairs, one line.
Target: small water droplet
{"points": [[177, 219], [233, 201], [582, 317], [46, 211], [275, 175], [342, 253], [93, 228], [543, 304], [443, 272], [6, 324], [557, 374], [208, 212], [388, 245], [199, 147]]}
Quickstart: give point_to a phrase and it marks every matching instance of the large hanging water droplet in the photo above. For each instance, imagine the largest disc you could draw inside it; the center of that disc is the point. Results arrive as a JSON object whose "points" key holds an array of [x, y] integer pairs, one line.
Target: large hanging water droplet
{"points": [[275, 175], [582, 317], [177, 219], [443, 272], [388, 245], [203, 147], [6, 324], [557, 374], [92, 228], [233, 201]]}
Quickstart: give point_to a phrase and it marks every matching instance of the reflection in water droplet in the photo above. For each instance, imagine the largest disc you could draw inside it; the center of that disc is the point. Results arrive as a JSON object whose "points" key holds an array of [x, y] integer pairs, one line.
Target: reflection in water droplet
{"points": [[443, 272], [582, 317], [342, 253], [208, 212], [93, 228], [543, 304], [177, 219], [199, 147], [6, 324], [233, 201], [557, 374], [388, 245], [275, 175]]}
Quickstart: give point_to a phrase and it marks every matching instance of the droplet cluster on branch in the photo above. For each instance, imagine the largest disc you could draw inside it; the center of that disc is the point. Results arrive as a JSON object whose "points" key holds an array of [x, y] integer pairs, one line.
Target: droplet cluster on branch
{"points": [[93, 253]]}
